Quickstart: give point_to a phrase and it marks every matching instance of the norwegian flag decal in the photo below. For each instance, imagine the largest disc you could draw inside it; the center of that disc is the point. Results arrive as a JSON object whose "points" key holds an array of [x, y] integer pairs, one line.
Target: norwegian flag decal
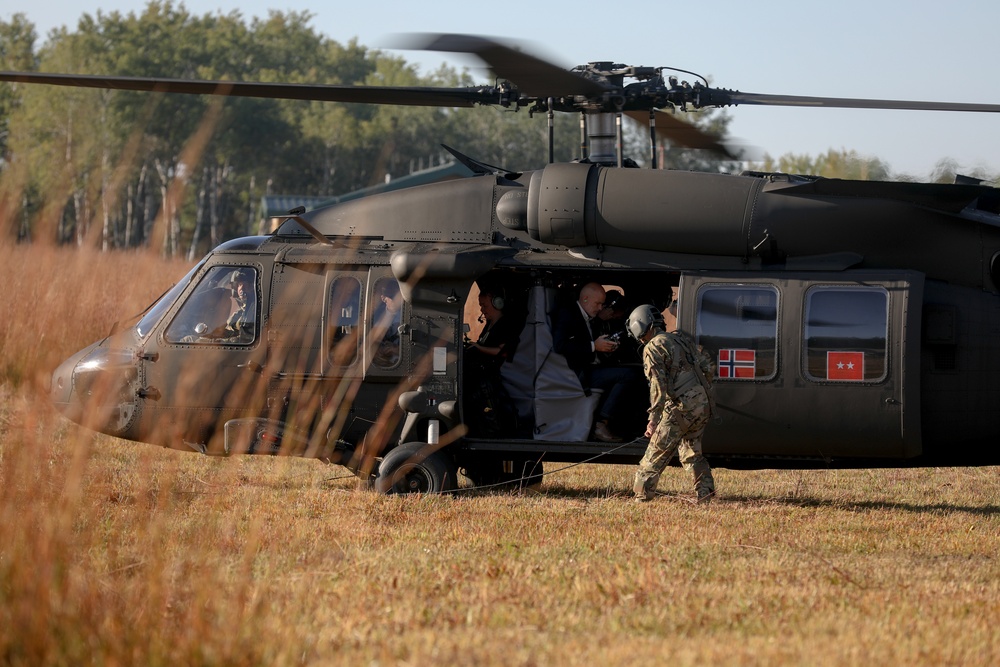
{"points": [[737, 363]]}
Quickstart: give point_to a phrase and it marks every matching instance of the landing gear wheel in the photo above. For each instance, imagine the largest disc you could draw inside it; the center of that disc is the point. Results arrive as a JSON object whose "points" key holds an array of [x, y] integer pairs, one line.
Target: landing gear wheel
{"points": [[411, 468]]}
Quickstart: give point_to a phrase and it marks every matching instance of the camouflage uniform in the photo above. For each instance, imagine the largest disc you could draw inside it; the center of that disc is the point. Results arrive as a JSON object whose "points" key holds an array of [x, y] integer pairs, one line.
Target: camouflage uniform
{"points": [[679, 376]]}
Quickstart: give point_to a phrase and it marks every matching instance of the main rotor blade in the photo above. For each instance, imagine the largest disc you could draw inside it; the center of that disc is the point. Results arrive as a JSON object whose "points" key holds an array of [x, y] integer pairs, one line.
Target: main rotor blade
{"points": [[680, 132], [532, 76], [403, 96], [736, 97]]}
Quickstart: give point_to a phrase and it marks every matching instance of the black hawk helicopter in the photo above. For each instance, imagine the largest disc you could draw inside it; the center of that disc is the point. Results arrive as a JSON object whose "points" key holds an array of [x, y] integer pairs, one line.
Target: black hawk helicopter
{"points": [[854, 324]]}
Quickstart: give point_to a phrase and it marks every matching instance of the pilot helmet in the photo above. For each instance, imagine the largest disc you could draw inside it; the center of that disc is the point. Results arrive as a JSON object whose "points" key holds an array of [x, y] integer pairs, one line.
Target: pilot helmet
{"points": [[642, 319], [240, 276]]}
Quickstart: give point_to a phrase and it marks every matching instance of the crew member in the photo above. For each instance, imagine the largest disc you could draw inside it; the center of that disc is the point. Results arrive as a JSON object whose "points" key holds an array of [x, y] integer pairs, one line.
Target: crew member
{"points": [[499, 338], [489, 410], [680, 385]]}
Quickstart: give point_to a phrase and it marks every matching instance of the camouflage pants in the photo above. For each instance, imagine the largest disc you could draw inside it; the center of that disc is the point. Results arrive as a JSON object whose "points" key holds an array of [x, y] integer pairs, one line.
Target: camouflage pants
{"points": [[679, 431]]}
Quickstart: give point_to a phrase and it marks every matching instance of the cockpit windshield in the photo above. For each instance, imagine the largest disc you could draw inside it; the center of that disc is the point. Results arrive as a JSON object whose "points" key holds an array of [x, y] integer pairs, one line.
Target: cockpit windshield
{"points": [[156, 311]]}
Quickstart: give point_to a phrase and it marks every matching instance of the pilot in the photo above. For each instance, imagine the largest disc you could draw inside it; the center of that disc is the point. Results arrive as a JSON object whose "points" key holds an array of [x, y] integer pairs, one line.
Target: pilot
{"points": [[680, 396], [240, 324], [573, 338]]}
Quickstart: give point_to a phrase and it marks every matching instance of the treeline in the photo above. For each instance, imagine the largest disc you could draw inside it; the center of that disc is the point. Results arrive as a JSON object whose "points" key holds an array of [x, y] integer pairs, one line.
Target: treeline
{"points": [[120, 169], [183, 173]]}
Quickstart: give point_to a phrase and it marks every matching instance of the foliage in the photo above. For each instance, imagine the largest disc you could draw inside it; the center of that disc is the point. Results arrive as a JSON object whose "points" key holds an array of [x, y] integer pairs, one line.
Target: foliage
{"points": [[847, 164], [17, 39], [182, 173], [832, 164]]}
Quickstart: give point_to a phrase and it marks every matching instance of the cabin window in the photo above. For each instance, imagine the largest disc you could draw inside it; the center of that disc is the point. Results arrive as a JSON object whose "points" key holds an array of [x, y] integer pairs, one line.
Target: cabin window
{"points": [[738, 326], [386, 321], [343, 318], [222, 310], [846, 333]]}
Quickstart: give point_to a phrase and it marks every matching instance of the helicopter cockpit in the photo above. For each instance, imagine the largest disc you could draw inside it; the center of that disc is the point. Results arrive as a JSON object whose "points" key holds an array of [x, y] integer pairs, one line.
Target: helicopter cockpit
{"points": [[221, 310]]}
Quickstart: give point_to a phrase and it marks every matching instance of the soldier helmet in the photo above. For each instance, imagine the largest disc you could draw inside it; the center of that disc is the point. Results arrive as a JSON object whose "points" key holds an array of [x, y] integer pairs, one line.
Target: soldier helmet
{"points": [[642, 319]]}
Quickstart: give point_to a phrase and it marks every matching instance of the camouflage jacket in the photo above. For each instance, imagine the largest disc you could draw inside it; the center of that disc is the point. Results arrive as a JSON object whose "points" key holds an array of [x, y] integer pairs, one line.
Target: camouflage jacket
{"points": [[674, 365]]}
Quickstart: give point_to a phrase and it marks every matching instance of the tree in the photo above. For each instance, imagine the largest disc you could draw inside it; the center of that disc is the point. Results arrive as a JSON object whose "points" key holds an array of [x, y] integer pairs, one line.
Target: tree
{"points": [[832, 164], [182, 173], [17, 52]]}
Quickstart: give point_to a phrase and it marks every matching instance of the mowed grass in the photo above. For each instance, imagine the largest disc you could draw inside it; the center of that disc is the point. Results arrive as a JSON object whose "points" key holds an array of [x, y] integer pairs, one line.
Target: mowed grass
{"points": [[117, 553]]}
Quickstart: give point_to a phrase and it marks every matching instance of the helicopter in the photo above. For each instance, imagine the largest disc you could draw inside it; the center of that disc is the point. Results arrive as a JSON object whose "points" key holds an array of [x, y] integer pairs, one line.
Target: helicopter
{"points": [[854, 324]]}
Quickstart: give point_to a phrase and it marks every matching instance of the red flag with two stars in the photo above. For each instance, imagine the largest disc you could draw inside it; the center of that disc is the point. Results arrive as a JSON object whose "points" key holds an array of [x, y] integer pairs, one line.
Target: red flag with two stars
{"points": [[847, 366]]}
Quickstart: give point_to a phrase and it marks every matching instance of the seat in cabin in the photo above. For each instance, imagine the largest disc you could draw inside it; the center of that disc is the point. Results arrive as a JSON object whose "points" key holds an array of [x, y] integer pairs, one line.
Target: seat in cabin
{"points": [[545, 390]]}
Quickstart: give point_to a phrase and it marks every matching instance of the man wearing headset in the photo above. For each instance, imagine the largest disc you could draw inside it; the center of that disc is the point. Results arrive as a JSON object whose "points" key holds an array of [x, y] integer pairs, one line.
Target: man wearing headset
{"points": [[680, 383], [488, 408]]}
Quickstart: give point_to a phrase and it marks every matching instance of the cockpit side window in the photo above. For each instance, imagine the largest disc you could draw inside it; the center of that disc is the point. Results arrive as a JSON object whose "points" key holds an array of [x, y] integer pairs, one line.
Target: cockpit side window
{"points": [[222, 310]]}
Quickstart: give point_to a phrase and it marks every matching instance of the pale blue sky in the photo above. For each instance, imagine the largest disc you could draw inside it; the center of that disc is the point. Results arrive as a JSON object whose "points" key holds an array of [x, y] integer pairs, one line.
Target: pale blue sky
{"points": [[918, 50]]}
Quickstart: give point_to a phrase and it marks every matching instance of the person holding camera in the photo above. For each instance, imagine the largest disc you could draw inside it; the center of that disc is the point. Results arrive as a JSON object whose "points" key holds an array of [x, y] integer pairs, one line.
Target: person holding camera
{"points": [[573, 337]]}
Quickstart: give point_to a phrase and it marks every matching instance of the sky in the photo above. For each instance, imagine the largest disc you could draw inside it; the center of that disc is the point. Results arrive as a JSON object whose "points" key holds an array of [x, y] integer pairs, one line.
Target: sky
{"points": [[914, 50]]}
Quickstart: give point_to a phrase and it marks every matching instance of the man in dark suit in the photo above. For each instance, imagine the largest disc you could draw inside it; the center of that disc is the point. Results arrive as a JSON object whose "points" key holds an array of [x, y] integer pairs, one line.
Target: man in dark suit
{"points": [[572, 337]]}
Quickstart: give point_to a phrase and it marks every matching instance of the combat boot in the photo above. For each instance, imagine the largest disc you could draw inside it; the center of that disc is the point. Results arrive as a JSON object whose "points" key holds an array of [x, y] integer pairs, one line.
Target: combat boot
{"points": [[704, 482]]}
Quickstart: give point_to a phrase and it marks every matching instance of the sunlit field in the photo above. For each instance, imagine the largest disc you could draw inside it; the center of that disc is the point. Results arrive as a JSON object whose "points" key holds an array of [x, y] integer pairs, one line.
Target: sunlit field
{"points": [[118, 553]]}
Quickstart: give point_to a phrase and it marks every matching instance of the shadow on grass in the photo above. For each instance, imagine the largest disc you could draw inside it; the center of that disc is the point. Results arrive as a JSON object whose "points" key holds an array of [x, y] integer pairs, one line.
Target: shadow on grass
{"points": [[735, 500], [864, 505]]}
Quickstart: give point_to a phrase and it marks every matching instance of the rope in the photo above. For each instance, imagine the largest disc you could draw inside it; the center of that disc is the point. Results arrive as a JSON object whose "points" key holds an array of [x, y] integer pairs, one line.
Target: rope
{"points": [[520, 482]]}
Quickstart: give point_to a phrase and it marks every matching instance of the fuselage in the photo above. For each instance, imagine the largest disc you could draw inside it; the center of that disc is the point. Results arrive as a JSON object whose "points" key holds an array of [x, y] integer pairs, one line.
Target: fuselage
{"points": [[794, 274]]}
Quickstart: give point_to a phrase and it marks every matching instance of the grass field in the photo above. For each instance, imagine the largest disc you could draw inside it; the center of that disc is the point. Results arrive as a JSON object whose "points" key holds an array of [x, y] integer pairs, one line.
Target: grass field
{"points": [[116, 553]]}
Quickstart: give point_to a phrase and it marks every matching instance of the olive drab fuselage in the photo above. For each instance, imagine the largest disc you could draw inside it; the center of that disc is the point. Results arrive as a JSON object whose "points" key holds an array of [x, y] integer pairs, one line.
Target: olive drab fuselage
{"points": [[852, 323]]}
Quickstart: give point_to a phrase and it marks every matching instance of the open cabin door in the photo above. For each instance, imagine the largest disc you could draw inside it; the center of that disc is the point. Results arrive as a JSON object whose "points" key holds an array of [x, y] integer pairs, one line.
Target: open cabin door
{"points": [[822, 365]]}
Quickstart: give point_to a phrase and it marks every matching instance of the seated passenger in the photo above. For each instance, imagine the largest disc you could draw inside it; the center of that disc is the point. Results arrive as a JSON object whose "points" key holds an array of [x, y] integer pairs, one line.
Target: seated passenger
{"points": [[610, 322], [573, 338], [489, 410]]}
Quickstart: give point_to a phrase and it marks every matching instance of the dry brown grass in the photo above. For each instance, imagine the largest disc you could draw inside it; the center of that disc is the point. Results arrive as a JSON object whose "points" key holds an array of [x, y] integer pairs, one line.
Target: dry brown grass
{"points": [[55, 301], [116, 553]]}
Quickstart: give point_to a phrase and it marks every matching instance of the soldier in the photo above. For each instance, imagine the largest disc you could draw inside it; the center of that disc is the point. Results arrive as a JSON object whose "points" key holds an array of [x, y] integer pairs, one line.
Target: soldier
{"points": [[680, 384]]}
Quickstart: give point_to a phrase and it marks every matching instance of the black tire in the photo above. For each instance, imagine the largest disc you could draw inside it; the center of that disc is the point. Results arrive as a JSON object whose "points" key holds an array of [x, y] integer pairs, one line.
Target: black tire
{"points": [[413, 468]]}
